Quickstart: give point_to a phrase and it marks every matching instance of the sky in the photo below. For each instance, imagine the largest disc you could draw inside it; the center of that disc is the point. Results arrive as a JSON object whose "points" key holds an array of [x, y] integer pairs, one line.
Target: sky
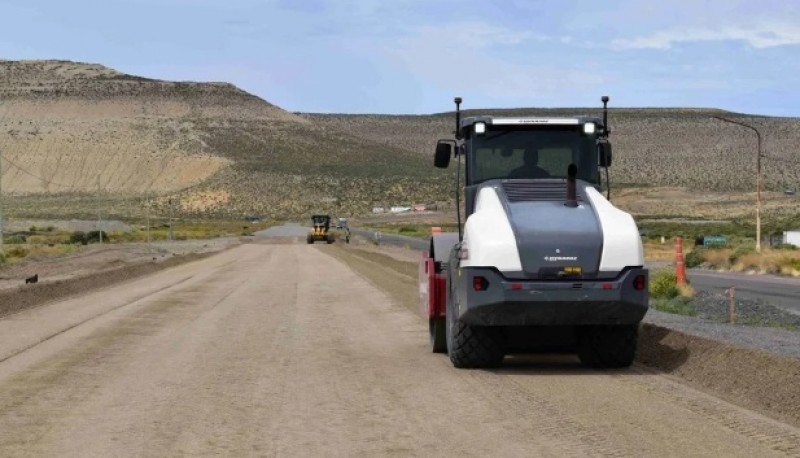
{"points": [[414, 56]]}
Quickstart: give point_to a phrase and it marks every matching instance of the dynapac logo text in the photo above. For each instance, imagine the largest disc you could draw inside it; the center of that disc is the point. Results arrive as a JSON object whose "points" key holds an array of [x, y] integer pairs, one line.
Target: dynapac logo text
{"points": [[560, 258]]}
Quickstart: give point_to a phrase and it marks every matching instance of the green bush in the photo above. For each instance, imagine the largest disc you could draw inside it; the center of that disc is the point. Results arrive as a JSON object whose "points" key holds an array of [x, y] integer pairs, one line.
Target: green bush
{"points": [[695, 257], [676, 305], [740, 251], [78, 237], [790, 262], [15, 239], [2, 258], [94, 236], [664, 284]]}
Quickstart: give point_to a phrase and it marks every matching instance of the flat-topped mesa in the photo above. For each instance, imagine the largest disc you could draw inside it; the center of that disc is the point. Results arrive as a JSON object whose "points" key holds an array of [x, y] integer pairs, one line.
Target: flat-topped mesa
{"points": [[50, 81]]}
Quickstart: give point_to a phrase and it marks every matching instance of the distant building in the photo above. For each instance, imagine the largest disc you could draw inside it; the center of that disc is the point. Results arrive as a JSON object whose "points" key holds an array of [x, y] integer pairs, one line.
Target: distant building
{"points": [[792, 237], [420, 208], [377, 210], [400, 209]]}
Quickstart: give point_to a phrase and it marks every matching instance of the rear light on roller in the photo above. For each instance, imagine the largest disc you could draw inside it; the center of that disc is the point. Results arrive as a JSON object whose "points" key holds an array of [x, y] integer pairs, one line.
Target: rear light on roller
{"points": [[480, 283], [639, 283]]}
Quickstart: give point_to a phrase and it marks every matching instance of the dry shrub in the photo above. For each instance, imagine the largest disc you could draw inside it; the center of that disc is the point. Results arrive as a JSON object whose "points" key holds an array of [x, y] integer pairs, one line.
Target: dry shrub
{"points": [[719, 258], [17, 251], [751, 261], [768, 261], [654, 251], [686, 290]]}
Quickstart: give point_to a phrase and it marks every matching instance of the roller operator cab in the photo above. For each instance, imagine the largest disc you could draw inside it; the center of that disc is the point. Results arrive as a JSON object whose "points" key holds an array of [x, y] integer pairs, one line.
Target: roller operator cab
{"points": [[543, 262]]}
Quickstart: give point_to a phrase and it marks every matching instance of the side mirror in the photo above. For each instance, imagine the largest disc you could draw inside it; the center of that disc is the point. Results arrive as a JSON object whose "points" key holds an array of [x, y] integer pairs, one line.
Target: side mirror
{"points": [[604, 154], [442, 157]]}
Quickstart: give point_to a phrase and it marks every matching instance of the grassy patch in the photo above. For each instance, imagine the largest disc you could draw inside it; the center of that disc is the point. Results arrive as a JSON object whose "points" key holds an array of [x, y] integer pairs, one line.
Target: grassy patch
{"points": [[668, 296], [664, 284], [58, 242], [753, 321], [677, 305]]}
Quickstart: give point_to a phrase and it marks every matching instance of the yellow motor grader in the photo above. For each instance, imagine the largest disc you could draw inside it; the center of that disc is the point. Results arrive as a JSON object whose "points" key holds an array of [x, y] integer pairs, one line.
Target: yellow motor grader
{"points": [[321, 229]]}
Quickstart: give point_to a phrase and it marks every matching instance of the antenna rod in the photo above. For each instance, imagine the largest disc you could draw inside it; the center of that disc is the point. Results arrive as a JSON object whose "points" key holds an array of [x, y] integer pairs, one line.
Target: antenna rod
{"points": [[605, 99], [457, 100]]}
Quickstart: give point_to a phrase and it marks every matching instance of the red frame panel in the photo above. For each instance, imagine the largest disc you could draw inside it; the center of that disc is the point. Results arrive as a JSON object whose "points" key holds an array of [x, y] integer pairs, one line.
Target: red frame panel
{"points": [[432, 289]]}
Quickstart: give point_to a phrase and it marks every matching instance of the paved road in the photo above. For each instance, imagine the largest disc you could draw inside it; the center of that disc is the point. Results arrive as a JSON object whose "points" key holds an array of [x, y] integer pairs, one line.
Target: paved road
{"points": [[778, 291], [252, 352]]}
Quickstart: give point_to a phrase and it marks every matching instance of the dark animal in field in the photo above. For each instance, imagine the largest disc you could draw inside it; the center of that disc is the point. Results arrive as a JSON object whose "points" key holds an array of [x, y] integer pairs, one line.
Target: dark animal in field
{"points": [[33, 279]]}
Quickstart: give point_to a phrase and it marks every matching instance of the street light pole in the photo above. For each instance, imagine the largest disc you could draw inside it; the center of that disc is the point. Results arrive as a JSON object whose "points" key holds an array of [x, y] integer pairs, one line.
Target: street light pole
{"points": [[1, 205], [758, 178]]}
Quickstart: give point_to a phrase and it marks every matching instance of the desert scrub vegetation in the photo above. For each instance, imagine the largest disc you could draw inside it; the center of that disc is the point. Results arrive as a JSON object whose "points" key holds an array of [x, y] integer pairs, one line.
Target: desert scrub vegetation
{"points": [[190, 230], [667, 295], [779, 260], [17, 253], [656, 147], [59, 242]]}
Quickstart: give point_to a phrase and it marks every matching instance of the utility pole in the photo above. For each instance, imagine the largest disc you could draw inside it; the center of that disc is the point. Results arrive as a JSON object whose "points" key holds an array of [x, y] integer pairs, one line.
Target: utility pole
{"points": [[99, 218], [170, 219], [147, 209], [758, 178], [1, 205]]}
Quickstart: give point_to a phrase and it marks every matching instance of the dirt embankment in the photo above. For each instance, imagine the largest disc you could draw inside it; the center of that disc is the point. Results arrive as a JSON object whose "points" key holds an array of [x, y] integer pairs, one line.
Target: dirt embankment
{"points": [[95, 267], [759, 381]]}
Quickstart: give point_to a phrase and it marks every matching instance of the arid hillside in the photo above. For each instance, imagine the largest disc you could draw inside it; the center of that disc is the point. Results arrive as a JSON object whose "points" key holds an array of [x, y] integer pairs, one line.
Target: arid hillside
{"points": [[652, 147], [77, 139], [73, 134]]}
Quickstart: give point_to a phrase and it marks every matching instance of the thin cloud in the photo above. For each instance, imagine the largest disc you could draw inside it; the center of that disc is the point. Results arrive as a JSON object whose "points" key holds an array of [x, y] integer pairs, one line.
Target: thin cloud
{"points": [[761, 36], [468, 58]]}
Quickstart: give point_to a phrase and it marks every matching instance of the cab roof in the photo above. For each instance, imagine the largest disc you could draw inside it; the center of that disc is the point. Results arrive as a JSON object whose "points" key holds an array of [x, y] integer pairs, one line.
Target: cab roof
{"points": [[529, 120]]}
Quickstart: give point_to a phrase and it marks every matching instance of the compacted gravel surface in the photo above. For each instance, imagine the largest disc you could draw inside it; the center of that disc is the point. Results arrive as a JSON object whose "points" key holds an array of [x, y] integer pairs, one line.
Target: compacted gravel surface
{"points": [[771, 339]]}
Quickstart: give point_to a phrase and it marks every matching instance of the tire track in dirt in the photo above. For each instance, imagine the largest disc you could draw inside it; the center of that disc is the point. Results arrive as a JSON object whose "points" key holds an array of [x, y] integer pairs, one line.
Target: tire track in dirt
{"points": [[543, 416], [771, 433]]}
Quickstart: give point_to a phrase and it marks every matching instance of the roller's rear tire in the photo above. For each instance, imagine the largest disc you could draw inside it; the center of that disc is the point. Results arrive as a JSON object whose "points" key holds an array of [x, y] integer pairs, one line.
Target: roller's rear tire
{"points": [[608, 346], [473, 347]]}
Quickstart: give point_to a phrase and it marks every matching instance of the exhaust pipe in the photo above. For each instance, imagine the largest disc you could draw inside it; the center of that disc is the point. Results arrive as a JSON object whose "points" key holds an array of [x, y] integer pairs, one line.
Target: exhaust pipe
{"points": [[572, 192]]}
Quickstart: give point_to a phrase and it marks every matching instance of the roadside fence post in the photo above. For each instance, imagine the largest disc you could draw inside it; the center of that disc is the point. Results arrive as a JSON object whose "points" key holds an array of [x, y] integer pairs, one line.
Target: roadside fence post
{"points": [[732, 305]]}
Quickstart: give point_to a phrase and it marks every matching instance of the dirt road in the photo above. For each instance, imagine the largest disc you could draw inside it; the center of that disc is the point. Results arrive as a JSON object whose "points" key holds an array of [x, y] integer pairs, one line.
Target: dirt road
{"points": [[282, 350]]}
